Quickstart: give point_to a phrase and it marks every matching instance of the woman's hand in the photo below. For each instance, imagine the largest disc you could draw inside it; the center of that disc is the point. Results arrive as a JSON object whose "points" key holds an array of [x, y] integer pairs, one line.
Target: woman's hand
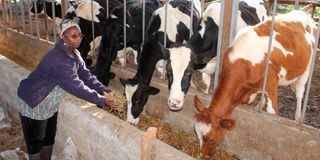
{"points": [[110, 101]]}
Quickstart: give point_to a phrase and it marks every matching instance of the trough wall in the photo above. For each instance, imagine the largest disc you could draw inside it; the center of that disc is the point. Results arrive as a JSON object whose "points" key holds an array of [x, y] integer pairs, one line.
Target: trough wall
{"points": [[256, 135]]}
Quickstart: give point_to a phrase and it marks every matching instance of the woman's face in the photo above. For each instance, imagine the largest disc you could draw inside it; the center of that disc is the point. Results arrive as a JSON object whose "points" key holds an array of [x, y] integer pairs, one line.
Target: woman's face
{"points": [[73, 38]]}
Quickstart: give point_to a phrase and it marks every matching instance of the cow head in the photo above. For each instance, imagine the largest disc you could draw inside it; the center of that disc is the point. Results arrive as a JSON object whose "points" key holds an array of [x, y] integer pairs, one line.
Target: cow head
{"points": [[179, 70], [113, 33], [137, 95], [210, 129], [39, 7]]}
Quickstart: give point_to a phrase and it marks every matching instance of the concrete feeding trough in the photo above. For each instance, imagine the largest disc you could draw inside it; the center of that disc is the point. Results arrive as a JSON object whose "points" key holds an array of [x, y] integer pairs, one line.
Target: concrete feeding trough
{"points": [[100, 135]]}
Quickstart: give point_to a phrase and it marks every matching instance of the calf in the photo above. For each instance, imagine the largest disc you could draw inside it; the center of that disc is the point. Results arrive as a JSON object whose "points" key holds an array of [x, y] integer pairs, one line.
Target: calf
{"points": [[137, 89], [113, 35], [200, 51], [243, 70]]}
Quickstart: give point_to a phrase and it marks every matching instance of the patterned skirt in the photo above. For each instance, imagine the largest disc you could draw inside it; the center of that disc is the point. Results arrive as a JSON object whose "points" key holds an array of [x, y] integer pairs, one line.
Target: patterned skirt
{"points": [[46, 108]]}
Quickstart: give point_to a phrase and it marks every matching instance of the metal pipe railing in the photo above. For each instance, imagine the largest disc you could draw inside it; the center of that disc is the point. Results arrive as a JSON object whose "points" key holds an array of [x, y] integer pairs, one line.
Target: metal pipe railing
{"points": [[30, 18], [54, 22], [45, 20], [314, 55], [16, 15], [23, 21], [191, 19], [219, 46], [234, 21], [37, 20], [262, 101], [125, 32], [92, 25]]}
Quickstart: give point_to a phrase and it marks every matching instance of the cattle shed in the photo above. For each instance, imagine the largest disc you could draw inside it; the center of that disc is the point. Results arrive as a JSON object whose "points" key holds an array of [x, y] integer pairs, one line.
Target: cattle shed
{"points": [[100, 135]]}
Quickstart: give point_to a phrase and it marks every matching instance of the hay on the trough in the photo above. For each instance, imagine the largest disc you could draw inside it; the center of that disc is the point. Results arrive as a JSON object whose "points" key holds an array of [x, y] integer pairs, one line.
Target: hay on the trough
{"points": [[184, 141]]}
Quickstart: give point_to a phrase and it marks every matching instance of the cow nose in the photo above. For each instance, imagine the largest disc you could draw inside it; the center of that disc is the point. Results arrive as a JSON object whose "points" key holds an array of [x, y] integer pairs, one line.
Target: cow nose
{"points": [[175, 104]]}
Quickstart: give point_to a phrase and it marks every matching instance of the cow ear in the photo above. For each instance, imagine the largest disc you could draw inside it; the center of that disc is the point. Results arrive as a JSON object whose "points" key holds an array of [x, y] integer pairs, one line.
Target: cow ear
{"points": [[198, 104], [227, 123], [123, 81], [164, 51], [153, 90]]}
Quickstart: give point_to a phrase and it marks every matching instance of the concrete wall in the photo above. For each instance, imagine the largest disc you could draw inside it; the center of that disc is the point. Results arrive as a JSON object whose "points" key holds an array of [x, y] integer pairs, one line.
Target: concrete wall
{"points": [[256, 136]]}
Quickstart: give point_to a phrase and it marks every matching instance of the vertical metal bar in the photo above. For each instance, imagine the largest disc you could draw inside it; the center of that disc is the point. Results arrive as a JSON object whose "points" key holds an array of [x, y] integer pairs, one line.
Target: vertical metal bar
{"points": [[165, 33], [143, 20], [125, 32], [234, 21], [36, 16], [16, 15], [107, 9], [54, 22], [30, 18], [45, 20], [296, 5], [165, 23], [23, 17], [3, 11], [92, 25], [6, 11], [306, 96], [10, 10], [191, 20], [219, 46], [268, 56]]}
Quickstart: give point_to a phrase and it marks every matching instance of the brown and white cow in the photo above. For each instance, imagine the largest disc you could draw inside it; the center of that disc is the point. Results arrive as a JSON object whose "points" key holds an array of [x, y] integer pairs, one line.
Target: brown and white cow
{"points": [[243, 72]]}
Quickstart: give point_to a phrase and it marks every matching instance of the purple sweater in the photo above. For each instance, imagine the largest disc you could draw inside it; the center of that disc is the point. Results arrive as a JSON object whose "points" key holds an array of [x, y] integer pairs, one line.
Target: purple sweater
{"points": [[58, 67]]}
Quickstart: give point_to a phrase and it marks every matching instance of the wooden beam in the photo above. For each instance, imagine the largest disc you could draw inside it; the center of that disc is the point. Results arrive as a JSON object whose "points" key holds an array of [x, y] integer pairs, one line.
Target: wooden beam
{"points": [[226, 26]]}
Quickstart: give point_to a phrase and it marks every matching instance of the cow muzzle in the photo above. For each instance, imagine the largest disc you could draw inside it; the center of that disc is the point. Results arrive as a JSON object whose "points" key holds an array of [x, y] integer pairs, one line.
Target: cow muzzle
{"points": [[175, 104]]}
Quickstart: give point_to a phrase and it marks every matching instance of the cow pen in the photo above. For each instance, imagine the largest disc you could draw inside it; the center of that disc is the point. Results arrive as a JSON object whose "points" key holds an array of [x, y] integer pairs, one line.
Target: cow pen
{"points": [[100, 135]]}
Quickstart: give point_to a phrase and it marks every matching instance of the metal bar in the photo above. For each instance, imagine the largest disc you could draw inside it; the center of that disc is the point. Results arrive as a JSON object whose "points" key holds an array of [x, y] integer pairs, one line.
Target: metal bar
{"points": [[107, 9], [268, 56], [3, 11], [10, 10], [92, 25], [16, 15], [23, 17], [191, 20], [296, 5], [36, 16], [234, 21], [54, 22], [125, 32], [218, 57], [30, 18], [45, 20], [6, 11], [143, 20], [165, 33], [306, 96]]}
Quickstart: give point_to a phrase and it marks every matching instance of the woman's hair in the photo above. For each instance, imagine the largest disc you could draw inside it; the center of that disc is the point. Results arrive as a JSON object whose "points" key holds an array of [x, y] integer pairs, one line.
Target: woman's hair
{"points": [[66, 24]]}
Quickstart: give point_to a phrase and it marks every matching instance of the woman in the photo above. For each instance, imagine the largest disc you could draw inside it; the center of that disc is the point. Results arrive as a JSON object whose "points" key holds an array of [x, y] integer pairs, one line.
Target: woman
{"points": [[61, 69]]}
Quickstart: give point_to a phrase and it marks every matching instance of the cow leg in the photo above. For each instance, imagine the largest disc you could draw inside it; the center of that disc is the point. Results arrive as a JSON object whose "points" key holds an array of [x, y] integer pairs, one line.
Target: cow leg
{"points": [[300, 87], [207, 81], [272, 98]]}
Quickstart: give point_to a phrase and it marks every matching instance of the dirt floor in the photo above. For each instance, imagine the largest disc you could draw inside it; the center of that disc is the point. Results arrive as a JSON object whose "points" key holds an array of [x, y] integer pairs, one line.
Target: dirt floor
{"points": [[11, 138]]}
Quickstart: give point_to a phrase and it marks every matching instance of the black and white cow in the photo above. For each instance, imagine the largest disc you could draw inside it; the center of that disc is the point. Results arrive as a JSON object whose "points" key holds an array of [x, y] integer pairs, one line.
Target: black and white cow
{"points": [[82, 10], [113, 35], [200, 51], [48, 7], [138, 89]]}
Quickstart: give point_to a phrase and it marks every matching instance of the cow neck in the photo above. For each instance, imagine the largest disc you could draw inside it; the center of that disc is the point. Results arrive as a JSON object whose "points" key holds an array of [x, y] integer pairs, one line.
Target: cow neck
{"points": [[228, 93], [146, 68]]}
